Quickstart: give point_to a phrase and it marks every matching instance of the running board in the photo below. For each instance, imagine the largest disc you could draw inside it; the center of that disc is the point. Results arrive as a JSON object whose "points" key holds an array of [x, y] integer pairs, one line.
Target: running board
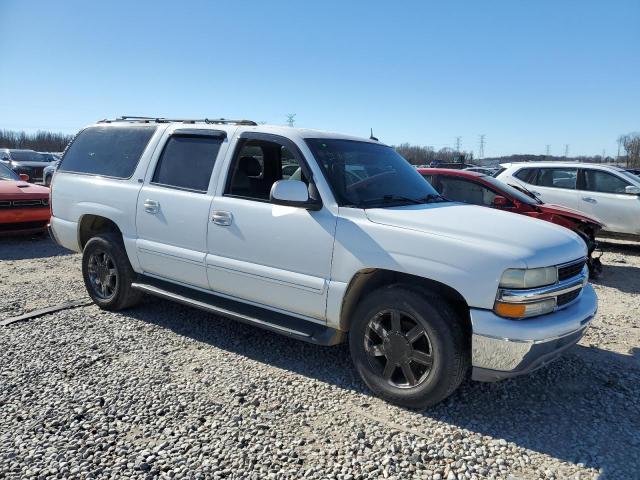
{"points": [[253, 315]]}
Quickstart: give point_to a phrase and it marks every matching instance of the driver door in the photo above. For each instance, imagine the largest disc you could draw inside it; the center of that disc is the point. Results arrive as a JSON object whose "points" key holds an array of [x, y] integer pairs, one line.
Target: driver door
{"points": [[262, 253]]}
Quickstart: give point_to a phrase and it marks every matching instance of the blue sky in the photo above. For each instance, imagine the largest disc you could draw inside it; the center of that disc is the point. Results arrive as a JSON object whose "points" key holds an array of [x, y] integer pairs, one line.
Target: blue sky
{"points": [[525, 73]]}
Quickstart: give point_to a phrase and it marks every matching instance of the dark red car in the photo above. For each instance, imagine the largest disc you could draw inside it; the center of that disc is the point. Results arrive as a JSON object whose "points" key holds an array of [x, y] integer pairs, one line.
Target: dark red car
{"points": [[479, 189]]}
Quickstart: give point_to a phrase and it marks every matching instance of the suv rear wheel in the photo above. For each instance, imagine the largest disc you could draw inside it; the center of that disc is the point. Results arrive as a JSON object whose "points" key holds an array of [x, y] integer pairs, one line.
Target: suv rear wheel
{"points": [[108, 274], [408, 347]]}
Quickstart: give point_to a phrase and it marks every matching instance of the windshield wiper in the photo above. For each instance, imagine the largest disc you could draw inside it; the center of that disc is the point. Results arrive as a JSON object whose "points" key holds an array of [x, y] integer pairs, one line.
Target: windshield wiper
{"points": [[387, 199]]}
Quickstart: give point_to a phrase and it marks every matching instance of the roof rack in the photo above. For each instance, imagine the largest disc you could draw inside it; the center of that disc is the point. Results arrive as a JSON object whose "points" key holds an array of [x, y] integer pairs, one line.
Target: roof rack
{"points": [[134, 118]]}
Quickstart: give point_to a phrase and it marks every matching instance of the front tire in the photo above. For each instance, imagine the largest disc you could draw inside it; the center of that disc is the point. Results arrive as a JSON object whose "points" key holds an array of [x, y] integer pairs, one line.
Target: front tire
{"points": [[107, 273], [409, 347]]}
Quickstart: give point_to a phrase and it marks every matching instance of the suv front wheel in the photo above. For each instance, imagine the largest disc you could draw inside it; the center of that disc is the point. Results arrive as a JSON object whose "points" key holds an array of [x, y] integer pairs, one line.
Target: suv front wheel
{"points": [[108, 274], [408, 346]]}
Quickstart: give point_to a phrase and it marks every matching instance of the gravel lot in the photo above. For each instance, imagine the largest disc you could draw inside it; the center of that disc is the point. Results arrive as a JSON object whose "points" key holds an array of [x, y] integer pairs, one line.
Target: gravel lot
{"points": [[168, 391]]}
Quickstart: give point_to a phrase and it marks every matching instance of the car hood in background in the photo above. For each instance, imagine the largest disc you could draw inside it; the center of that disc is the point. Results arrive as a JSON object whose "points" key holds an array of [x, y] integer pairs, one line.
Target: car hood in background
{"points": [[20, 189], [568, 212], [535, 242]]}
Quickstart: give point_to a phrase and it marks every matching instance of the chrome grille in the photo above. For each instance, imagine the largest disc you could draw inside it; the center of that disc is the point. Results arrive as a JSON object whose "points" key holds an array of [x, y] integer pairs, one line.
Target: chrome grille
{"points": [[570, 270]]}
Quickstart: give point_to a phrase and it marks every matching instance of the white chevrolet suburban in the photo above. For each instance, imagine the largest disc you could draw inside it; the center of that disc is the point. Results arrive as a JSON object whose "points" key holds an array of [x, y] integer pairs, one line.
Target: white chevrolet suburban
{"points": [[321, 237]]}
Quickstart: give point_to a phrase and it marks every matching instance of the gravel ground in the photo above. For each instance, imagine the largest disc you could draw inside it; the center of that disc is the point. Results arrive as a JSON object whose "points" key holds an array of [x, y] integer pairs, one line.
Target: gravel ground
{"points": [[171, 392]]}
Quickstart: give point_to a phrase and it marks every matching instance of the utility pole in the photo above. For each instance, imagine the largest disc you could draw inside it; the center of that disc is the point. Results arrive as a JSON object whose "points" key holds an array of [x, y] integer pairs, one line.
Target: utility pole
{"points": [[566, 150], [482, 143], [458, 143], [291, 119]]}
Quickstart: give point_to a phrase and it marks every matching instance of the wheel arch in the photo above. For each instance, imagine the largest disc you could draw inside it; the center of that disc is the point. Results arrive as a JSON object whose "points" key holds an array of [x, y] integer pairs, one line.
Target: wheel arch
{"points": [[91, 225], [367, 280]]}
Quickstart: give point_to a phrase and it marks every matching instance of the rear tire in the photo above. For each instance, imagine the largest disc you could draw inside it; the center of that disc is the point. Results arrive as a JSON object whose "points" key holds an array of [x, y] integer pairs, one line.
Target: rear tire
{"points": [[415, 361], [107, 273]]}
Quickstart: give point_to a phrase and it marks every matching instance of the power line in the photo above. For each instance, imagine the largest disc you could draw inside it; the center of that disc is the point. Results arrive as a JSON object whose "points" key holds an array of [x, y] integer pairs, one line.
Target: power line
{"points": [[482, 143], [291, 119]]}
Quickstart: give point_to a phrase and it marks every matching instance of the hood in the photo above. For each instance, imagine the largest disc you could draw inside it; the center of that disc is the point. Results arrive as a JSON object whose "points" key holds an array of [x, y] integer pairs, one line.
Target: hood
{"points": [[10, 189], [569, 212], [25, 163], [535, 242]]}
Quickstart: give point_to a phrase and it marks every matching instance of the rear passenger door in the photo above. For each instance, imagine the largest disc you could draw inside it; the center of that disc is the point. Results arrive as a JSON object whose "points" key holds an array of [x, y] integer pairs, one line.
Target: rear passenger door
{"points": [[173, 207], [555, 185]]}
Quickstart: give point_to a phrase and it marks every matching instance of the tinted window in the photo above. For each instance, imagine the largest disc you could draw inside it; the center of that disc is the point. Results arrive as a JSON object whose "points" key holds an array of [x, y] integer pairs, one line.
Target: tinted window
{"points": [[598, 181], [7, 174], [27, 156], [526, 174], [557, 177], [109, 151], [369, 175], [258, 165], [464, 191], [187, 162]]}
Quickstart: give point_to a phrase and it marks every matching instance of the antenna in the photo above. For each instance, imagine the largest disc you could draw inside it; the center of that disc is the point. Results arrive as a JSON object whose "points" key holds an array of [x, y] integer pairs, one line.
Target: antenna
{"points": [[291, 119], [371, 137]]}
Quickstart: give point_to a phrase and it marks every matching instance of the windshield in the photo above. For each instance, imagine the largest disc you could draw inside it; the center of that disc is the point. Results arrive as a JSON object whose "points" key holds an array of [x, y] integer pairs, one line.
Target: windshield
{"points": [[7, 173], [512, 191], [370, 175], [27, 156]]}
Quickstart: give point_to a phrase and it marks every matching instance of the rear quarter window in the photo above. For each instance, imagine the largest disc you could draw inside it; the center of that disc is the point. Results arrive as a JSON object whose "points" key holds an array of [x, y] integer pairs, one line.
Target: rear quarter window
{"points": [[107, 150]]}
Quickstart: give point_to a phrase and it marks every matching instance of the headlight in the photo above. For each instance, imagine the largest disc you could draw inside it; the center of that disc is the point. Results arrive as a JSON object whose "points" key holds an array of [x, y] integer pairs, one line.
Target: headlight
{"points": [[529, 278]]}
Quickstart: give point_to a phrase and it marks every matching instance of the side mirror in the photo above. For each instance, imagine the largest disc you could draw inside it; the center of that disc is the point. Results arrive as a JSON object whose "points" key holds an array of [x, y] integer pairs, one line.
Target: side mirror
{"points": [[632, 190], [293, 193], [24, 177], [500, 202]]}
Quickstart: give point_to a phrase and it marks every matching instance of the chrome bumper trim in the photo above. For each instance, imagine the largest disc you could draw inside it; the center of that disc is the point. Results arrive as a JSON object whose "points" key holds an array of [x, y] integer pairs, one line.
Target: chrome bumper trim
{"points": [[508, 348]]}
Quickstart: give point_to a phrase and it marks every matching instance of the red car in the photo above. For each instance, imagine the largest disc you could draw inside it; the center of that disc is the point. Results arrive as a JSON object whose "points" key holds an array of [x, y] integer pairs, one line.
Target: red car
{"points": [[479, 189], [24, 207]]}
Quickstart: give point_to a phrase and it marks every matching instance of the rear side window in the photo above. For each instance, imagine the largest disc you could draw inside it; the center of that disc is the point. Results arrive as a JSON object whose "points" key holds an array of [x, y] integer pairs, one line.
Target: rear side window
{"points": [[187, 162], [526, 174], [557, 178], [109, 151]]}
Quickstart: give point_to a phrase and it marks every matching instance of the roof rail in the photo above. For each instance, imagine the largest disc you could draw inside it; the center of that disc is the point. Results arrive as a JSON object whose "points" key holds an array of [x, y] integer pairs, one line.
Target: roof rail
{"points": [[134, 118]]}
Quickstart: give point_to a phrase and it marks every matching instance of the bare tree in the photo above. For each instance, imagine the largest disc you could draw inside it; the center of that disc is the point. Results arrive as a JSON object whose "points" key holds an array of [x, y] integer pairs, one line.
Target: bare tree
{"points": [[631, 144], [40, 141]]}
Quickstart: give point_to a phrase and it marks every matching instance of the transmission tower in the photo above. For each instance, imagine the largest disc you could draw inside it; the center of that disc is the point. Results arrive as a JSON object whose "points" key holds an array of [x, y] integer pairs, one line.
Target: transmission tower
{"points": [[566, 150], [291, 119], [458, 139], [482, 143]]}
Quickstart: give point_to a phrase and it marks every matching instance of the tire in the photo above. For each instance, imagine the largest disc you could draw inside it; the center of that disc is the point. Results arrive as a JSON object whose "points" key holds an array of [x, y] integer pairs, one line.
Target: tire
{"points": [[443, 337], [108, 274], [47, 181]]}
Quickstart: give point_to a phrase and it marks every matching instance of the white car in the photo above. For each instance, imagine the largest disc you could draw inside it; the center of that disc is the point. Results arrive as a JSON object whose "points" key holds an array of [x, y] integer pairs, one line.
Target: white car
{"points": [[356, 244], [608, 193]]}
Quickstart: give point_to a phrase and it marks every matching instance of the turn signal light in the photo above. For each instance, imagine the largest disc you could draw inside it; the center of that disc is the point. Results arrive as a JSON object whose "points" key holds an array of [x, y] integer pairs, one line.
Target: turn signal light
{"points": [[524, 310]]}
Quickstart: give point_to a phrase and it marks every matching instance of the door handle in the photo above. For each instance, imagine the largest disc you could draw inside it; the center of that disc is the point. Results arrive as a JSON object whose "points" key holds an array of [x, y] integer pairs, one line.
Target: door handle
{"points": [[151, 206], [222, 218], [589, 199]]}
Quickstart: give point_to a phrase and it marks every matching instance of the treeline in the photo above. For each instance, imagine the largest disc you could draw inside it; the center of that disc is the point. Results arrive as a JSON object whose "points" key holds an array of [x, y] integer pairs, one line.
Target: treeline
{"points": [[545, 158], [417, 155], [39, 141]]}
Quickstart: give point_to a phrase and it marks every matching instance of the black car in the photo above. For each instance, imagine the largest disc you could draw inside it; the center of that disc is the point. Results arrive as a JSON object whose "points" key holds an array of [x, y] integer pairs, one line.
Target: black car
{"points": [[29, 162]]}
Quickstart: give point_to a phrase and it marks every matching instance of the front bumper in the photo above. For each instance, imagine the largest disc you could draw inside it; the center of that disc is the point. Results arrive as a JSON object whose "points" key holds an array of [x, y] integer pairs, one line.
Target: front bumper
{"points": [[503, 348]]}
